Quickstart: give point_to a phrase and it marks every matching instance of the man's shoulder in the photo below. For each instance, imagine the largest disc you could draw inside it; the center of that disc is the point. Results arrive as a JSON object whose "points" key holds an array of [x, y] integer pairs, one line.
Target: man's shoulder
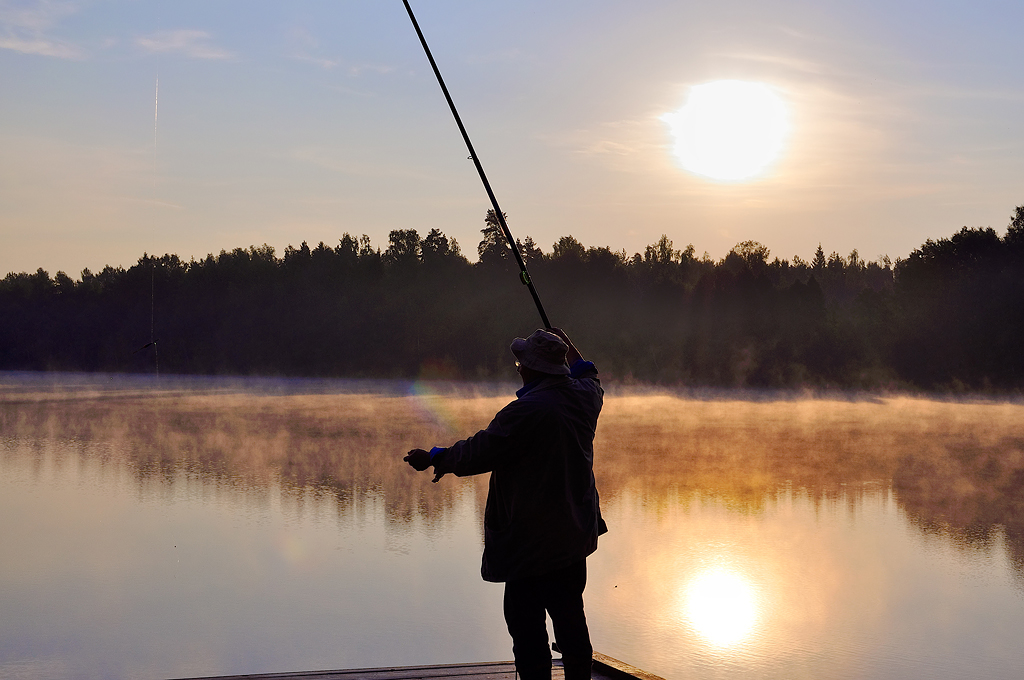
{"points": [[561, 390]]}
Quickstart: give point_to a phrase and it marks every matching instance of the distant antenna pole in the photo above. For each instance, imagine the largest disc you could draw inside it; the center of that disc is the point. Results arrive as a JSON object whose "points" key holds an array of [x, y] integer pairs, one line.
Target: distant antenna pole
{"points": [[524, 275], [152, 314]]}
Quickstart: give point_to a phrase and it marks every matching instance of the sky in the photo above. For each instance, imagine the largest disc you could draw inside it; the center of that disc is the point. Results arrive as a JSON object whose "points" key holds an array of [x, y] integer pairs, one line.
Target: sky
{"points": [[283, 122]]}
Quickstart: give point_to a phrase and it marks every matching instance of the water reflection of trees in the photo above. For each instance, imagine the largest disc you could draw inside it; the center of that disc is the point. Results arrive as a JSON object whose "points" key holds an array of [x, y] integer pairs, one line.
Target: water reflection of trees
{"points": [[954, 467], [971, 490], [346, 448]]}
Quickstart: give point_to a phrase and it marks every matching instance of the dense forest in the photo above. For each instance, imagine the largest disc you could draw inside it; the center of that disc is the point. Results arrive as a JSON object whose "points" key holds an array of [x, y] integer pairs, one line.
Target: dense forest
{"points": [[949, 317]]}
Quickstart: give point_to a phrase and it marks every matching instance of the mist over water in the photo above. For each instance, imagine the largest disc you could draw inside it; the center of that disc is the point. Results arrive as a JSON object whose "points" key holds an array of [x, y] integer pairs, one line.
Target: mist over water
{"points": [[179, 527]]}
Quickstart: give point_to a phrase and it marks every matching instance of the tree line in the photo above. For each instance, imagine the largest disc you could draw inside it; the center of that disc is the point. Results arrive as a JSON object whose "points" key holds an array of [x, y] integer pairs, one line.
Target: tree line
{"points": [[949, 317]]}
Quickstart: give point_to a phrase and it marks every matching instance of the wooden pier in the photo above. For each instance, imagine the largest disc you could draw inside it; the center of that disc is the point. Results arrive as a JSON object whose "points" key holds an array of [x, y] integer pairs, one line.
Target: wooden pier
{"points": [[605, 668]]}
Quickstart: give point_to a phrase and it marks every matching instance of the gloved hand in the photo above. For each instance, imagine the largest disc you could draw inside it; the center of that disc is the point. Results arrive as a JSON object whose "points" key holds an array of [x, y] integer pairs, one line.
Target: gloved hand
{"points": [[418, 459]]}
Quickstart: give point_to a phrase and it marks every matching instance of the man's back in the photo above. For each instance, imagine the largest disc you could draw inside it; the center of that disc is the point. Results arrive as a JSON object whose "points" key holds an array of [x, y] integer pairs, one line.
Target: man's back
{"points": [[543, 516], [542, 505]]}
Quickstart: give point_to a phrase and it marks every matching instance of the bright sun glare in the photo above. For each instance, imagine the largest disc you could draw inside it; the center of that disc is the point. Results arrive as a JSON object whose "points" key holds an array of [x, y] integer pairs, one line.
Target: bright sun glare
{"points": [[729, 129], [721, 607]]}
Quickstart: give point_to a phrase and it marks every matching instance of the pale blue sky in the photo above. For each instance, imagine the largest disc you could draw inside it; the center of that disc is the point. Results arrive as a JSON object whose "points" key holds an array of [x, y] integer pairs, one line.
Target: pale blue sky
{"points": [[288, 121]]}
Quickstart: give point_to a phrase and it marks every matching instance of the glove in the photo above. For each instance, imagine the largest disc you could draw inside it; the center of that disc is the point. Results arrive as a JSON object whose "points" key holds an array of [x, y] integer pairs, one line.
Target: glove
{"points": [[418, 459]]}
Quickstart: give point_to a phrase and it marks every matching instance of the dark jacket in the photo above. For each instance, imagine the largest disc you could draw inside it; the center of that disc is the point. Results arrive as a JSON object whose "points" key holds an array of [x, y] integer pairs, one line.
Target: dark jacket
{"points": [[542, 508]]}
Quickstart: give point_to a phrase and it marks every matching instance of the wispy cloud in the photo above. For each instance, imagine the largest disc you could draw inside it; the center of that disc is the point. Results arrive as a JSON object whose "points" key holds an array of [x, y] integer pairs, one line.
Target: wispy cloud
{"points": [[305, 47], [622, 144], [354, 70], [41, 46], [25, 26], [192, 43], [792, 64], [322, 62], [360, 69]]}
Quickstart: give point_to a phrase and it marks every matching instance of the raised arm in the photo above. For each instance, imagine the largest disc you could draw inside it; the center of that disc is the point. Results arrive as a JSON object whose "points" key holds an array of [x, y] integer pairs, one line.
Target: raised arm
{"points": [[573, 355]]}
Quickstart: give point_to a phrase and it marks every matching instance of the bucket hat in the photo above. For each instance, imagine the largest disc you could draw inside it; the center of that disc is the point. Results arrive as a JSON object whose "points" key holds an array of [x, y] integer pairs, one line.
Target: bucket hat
{"points": [[543, 351]]}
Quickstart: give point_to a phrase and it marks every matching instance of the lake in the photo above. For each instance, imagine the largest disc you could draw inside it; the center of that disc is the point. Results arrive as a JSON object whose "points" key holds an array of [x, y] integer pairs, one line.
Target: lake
{"points": [[169, 527]]}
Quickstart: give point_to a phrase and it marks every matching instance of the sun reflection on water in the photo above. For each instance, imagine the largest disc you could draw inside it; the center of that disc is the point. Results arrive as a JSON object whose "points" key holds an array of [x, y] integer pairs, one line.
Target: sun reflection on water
{"points": [[721, 606]]}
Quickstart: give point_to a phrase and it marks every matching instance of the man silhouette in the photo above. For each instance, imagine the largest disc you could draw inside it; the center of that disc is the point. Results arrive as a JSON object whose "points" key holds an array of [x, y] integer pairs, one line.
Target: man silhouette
{"points": [[542, 517]]}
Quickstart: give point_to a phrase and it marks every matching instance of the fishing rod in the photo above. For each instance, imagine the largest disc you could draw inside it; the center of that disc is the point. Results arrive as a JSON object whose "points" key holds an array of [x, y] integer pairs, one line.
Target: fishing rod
{"points": [[524, 275]]}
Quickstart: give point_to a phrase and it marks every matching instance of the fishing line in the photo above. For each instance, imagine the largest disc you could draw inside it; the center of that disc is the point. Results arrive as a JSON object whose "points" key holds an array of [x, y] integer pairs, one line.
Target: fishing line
{"points": [[524, 275]]}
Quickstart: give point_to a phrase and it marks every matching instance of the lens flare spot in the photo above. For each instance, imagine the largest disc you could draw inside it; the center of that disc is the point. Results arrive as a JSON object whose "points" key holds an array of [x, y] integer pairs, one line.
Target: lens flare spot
{"points": [[432, 407], [721, 606], [729, 130]]}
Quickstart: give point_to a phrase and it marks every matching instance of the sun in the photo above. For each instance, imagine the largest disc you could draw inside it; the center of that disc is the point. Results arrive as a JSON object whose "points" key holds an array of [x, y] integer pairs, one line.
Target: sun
{"points": [[729, 130], [721, 606]]}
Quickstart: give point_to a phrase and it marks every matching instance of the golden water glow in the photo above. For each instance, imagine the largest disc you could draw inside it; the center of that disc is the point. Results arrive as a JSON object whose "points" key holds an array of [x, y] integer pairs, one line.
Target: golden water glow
{"points": [[721, 606], [750, 537], [729, 129]]}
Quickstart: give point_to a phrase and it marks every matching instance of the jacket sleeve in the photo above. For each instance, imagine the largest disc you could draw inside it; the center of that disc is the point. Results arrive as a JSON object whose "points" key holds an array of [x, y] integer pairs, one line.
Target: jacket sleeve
{"points": [[490, 448]]}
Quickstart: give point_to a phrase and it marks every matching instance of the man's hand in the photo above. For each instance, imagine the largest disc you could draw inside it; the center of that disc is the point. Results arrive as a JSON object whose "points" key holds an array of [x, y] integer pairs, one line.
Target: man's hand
{"points": [[573, 355], [418, 459]]}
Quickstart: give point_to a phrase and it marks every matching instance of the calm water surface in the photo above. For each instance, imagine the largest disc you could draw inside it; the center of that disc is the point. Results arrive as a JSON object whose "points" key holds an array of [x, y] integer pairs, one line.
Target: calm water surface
{"points": [[165, 529]]}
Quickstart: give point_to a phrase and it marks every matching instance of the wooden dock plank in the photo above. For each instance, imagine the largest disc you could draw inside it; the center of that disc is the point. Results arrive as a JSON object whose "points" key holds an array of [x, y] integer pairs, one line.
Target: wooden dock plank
{"points": [[501, 670], [605, 668]]}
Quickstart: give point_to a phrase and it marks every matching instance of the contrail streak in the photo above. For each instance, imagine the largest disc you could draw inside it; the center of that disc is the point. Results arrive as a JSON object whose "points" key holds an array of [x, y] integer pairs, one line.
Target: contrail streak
{"points": [[156, 123], [156, 110]]}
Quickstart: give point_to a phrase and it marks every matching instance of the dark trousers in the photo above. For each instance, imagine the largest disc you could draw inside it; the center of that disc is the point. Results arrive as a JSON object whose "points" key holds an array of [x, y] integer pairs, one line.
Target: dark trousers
{"points": [[560, 594]]}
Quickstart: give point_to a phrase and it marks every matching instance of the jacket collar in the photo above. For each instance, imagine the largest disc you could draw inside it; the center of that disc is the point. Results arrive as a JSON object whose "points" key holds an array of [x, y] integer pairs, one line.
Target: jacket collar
{"points": [[540, 383]]}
